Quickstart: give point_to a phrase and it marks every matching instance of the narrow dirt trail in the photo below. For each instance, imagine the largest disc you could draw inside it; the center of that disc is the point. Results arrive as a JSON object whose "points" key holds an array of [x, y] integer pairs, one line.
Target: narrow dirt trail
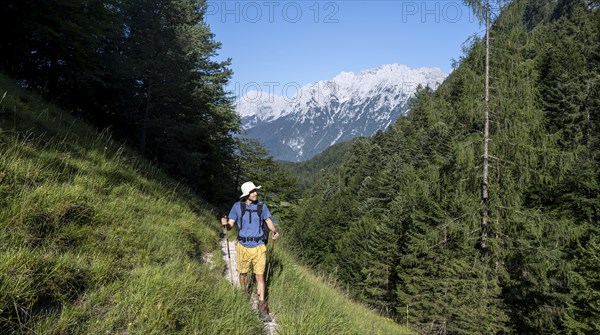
{"points": [[231, 273]]}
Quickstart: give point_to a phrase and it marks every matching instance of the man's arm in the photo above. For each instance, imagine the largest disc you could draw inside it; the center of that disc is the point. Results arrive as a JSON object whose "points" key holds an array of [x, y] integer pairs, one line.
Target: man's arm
{"points": [[272, 228]]}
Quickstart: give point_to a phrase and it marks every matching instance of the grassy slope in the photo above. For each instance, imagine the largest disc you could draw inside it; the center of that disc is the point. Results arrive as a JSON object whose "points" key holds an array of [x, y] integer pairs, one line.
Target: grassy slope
{"points": [[307, 304], [97, 241]]}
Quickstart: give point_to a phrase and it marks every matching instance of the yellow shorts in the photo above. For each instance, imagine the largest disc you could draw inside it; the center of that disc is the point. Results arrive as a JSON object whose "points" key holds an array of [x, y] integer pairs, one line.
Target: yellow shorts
{"points": [[256, 256]]}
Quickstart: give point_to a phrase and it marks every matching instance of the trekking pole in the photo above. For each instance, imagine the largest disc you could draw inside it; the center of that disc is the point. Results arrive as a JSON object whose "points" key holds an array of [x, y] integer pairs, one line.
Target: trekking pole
{"points": [[228, 254], [270, 268]]}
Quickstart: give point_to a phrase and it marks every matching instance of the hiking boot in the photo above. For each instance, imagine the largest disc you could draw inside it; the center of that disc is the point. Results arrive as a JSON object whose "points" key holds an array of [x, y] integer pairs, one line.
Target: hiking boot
{"points": [[263, 309]]}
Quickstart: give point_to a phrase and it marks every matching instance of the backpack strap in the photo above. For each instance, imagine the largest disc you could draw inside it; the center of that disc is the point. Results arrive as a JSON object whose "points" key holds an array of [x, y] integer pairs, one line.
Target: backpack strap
{"points": [[259, 209], [243, 210]]}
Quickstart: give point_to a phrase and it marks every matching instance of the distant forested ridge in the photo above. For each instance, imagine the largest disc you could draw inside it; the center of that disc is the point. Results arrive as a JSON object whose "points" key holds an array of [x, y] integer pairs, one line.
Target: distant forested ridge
{"points": [[306, 173], [399, 222], [143, 68]]}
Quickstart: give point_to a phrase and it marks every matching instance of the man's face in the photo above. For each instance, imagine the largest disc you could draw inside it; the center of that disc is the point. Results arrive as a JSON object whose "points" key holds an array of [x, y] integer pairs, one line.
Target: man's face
{"points": [[253, 195]]}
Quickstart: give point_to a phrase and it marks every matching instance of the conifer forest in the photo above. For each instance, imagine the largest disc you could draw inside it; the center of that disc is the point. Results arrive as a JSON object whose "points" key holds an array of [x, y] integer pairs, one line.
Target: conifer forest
{"points": [[400, 220]]}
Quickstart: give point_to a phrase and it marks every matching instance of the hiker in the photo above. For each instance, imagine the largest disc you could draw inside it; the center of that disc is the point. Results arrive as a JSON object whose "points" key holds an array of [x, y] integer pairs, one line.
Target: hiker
{"points": [[249, 214]]}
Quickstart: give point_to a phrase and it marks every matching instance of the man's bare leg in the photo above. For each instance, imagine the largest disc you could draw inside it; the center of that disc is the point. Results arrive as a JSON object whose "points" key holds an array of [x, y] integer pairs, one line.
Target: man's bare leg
{"points": [[244, 282], [263, 308], [260, 287]]}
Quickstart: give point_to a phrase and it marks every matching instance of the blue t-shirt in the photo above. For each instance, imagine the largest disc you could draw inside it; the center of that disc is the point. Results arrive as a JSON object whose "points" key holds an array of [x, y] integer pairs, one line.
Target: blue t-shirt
{"points": [[251, 222]]}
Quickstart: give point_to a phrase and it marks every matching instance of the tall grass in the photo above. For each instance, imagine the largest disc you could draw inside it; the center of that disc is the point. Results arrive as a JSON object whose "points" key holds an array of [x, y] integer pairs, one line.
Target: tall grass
{"points": [[308, 304]]}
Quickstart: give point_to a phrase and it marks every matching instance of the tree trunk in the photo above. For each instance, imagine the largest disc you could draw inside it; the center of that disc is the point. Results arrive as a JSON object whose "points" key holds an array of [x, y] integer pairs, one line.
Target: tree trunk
{"points": [[146, 116], [486, 132]]}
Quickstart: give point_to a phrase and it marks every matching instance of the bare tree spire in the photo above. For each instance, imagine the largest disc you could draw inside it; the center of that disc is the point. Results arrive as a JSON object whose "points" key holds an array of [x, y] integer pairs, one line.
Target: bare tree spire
{"points": [[486, 132]]}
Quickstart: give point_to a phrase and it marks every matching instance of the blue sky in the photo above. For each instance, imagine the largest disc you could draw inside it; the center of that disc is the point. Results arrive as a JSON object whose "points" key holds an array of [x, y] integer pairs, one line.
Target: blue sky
{"points": [[278, 43]]}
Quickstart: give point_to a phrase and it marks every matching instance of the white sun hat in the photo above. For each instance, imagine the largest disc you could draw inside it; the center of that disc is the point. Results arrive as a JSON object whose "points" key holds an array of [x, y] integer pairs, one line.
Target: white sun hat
{"points": [[247, 187]]}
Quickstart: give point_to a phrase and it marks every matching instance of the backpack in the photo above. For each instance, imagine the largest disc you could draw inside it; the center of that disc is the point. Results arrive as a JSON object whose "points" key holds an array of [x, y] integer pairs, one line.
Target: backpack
{"points": [[263, 227]]}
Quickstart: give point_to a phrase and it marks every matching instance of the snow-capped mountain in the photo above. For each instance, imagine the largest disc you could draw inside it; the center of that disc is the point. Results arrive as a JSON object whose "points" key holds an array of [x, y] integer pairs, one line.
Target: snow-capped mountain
{"points": [[331, 111]]}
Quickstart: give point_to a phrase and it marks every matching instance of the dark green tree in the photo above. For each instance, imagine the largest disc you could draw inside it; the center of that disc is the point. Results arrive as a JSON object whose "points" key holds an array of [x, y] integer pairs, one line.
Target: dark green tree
{"points": [[175, 99], [143, 68], [61, 48]]}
